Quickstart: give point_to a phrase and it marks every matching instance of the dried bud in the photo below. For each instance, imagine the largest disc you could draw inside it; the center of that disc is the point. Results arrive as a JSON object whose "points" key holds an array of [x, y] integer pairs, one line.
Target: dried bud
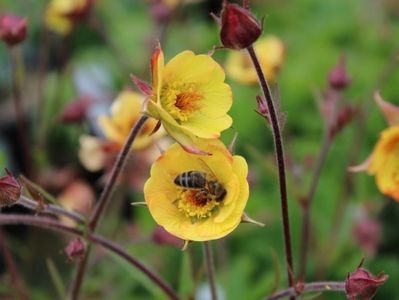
{"points": [[12, 29], [75, 112], [75, 249], [338, 77], [10, 190], [362, 285], [240, 29], [161, 237], [343, 118]]}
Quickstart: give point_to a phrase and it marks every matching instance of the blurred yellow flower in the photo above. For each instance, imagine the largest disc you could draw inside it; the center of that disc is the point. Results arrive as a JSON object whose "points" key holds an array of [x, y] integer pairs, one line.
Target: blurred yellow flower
{"points": [[383, 163], [60, 15], [270, 51], [190, 97], [125, 112], [198, 214]]}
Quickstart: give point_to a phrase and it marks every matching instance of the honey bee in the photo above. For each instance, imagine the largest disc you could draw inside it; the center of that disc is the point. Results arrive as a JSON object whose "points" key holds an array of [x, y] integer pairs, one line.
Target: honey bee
{"points": [[208, 188]]}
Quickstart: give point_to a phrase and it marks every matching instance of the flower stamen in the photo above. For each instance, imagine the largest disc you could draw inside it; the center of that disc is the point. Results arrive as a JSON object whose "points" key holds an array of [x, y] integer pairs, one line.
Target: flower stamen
{"points": [[196, 204]]}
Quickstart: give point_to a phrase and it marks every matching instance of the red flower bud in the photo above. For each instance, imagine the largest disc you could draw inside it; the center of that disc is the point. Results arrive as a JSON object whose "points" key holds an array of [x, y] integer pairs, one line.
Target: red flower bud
{"points": [[161, 237], [10, 190], [362, 285], [338, 77], [75, 111], [262, 108], [12, 29], [240, 29], [75, 249]]}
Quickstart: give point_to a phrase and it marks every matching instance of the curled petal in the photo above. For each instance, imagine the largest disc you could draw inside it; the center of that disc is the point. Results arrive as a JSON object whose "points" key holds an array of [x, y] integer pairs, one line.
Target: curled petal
{"points": [[390, 111], [363, 167]]}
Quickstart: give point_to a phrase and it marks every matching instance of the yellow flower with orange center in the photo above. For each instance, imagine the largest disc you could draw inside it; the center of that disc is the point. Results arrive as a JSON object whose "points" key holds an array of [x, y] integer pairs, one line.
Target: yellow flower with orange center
{"points": [[198, 198], [190, 98], [270, 51], [60, 14], [125, 112], [384, 160]]}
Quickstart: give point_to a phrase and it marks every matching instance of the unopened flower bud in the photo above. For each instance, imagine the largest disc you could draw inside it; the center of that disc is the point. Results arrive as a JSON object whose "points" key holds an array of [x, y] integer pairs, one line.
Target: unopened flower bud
{"points": [[161, 237], [362, 285], [10, 190], [75, 249], [338, 77], [239, 28], [75, 112], [262, 106], [12, 29]]}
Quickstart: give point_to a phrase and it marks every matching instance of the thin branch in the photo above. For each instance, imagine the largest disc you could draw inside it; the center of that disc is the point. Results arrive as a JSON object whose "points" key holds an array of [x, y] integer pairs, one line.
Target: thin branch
{"points": [[104, 199], [210, 268], [50, 209], [322, 286], [48, 223], [278, 143]]}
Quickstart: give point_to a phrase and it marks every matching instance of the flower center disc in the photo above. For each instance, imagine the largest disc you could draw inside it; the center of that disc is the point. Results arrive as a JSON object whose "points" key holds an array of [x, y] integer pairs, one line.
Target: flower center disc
{"points": [[196, 204]]}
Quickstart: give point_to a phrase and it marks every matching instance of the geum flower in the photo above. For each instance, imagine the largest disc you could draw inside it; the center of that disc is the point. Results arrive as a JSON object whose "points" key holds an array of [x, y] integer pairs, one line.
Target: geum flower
{"points": [[384, 160], [189, 97], [194, 213]]}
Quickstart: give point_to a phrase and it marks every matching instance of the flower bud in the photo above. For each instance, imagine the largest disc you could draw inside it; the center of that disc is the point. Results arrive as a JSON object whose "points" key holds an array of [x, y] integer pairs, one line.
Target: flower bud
{"points": [[240, 29], [10, 190], [75, 111], [12, 29], [338, 77], [75, 249], [362, 285], [262, 107]]}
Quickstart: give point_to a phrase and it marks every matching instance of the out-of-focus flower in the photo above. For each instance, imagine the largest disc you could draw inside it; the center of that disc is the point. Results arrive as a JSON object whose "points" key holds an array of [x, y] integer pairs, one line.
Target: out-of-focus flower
{"points": [[12, 29], [161, 237], [362, 285], [78, 196], [339, 78], [270, 51], [75, 112], [190, 98], [61, 15], [125, 112], [91, 153], [75, 249], [239, 28], [198, 198], [384, 160], [367, 233], [10, 190]]}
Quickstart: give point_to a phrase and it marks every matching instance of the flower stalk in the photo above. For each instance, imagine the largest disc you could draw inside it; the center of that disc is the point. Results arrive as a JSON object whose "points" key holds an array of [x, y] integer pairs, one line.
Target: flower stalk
{"points": [[103, 201], [322, 286], [48, 223], [278, 143], [210, 268]]}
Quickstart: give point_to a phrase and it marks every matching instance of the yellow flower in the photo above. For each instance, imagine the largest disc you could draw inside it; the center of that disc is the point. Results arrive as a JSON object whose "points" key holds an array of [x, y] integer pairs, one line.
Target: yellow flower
{"points": [[190, 97], [125, 112], [384, 160], [60, 14], [384, 163], [192, 214], [270, 51]]}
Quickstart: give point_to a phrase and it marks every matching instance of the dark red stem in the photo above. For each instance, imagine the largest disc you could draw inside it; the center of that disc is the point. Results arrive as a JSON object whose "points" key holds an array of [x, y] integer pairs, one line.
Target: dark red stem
{"points": [[278, 143], [210, 268]]}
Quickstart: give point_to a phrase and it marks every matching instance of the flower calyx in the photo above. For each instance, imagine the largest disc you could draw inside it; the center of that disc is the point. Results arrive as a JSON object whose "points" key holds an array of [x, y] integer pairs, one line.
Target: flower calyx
{"points": [[10, 190]]}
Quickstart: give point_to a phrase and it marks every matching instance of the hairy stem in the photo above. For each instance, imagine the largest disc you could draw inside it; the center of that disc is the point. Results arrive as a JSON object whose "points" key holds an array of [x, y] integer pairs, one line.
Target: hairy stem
{"points": [[278, 143], [50, 209], [322, 286], [309, 201], [104, 199], [210, 268], [48, 223]]}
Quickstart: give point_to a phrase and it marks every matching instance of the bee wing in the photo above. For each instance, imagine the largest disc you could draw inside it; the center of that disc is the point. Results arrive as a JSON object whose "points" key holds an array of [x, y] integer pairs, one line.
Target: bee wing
{"points": [[207, 169]]}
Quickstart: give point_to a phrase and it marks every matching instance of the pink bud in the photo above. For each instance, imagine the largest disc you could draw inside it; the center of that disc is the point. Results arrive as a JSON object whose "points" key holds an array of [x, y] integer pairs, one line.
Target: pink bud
{"points": [[262, 107], [75, 249], [239, 28], [12, 29], [75, 111], [10, 190], [362, 285], [161, 237], [338, 77]]}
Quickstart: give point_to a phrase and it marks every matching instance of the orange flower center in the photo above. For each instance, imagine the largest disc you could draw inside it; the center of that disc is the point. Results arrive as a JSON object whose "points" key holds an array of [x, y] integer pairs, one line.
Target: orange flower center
{"points": [[180, 100], [196, 204]]}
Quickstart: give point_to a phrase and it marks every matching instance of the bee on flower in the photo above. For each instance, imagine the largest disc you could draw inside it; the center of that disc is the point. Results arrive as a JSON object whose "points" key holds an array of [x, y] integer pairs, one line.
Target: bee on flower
{"points": [[189, 97], [271, 52], [384, 160], [198, 198]]}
